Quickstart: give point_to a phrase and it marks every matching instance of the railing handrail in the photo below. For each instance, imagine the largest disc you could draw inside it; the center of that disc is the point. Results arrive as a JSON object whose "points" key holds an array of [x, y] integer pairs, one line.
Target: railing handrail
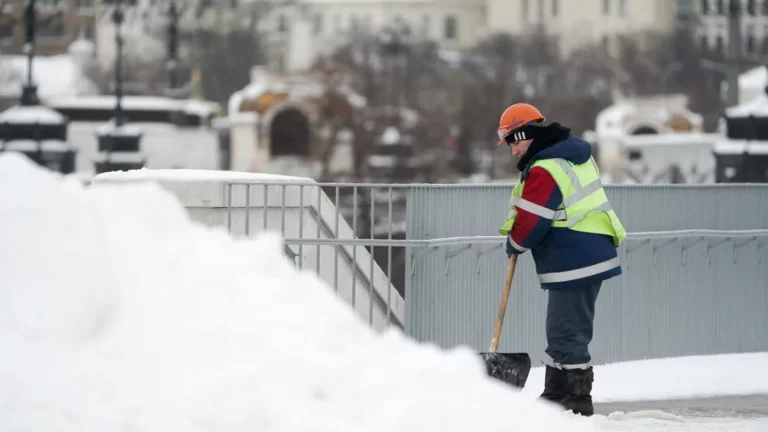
{"points": [[505, 183], [461, 241]]}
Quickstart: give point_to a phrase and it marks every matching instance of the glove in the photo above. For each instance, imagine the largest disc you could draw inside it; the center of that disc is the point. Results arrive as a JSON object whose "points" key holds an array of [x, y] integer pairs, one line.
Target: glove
{"points": [[511, 250]]}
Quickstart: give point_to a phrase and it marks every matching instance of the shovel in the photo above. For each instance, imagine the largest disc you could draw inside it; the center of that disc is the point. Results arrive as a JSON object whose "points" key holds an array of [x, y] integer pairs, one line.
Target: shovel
{"points": [[511, 368]]}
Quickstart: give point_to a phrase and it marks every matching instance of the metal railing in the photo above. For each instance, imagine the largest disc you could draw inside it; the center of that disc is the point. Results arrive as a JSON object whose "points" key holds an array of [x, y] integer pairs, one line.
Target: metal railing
{"points": [[451, 294]]}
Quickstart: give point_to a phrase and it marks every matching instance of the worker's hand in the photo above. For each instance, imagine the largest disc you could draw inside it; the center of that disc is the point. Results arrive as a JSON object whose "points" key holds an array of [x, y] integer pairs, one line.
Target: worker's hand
{"points": [[511, 250]]}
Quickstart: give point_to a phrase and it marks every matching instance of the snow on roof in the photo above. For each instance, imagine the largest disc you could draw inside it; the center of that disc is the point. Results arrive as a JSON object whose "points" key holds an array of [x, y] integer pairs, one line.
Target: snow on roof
{"points": [[614, 120], [758, 107], [303, 89], [124, 130], [737, 147], [670, 139], [609, 120], [55, 76], [755, 77], [131, 102], [31, 114], [251, 90], [28, 145]]}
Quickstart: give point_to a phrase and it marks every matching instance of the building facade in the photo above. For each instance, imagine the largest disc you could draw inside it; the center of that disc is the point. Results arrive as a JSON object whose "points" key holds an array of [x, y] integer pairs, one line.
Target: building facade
{"points": [[461, 24], [712, 28], [301, 30], [59, 23], [575, 24]]}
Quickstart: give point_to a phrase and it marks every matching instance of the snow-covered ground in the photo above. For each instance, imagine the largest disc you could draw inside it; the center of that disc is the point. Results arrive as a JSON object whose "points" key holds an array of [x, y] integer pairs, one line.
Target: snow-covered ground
{"points": [[674, 378], [119, 313]]}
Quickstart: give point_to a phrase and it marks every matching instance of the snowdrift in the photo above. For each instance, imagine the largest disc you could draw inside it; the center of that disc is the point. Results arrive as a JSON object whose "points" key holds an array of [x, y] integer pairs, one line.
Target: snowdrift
{"points": [[119, 313]]}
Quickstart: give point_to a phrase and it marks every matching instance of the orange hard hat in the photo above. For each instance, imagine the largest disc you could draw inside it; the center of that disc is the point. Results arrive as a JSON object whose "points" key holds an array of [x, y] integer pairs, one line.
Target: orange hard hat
{"points": [[516, 116]]}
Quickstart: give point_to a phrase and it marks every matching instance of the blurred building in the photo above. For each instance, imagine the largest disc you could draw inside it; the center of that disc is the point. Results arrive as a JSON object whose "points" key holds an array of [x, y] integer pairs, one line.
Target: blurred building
{"points": [[712, 24], [575, 24], [59, 23], [459, 24], [300, 30]]}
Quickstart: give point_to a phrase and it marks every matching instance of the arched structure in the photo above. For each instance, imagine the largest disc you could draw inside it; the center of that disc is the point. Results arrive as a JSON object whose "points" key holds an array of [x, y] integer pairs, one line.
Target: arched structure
{"points": [[287, 128], [643, 130], [289, 134]]}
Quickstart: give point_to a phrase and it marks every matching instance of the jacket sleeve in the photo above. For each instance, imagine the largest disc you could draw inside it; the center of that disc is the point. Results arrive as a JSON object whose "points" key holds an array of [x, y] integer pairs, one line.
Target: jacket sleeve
{"points": [[539, 200]]}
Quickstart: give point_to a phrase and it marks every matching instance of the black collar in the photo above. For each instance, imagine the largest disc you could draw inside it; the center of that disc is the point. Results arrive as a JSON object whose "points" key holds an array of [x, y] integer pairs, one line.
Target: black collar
{"points": [[545, 137]]}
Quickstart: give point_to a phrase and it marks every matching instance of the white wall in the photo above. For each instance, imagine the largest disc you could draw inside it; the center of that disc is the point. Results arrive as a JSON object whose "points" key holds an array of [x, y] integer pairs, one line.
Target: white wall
{"points": [[206, 197], [163, 145]]}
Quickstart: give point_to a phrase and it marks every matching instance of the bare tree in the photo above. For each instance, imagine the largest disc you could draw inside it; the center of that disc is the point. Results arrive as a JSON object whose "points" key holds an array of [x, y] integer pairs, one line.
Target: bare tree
{"points": [[221, 43], [499, 71], [224, 59], [408, 88], [672, 62]]}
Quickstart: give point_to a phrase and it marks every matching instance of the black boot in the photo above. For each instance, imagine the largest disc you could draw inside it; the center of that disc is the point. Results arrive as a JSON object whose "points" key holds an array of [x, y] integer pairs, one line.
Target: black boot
{"points": [[579, 391], [555, 385]]}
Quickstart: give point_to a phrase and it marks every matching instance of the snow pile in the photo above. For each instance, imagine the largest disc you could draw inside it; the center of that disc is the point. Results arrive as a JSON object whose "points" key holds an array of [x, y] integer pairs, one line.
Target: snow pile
{"points": [[118, 313], [674, 378]]}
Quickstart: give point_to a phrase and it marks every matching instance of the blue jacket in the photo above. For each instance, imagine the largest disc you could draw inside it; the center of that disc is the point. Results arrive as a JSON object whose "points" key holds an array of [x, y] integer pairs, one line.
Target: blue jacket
{"points": [[558, 249]]}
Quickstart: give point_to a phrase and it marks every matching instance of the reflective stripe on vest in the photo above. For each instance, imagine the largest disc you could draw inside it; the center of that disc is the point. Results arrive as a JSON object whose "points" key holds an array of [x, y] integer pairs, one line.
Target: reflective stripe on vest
{"points": [[536, 209], [580, 192], [580, 273], [586, 203]]}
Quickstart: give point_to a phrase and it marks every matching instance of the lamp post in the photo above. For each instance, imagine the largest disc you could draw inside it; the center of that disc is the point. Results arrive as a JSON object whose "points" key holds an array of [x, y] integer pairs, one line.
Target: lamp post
{"points": [[173, 45], [118, 17], [119, 145], [29, 90]]}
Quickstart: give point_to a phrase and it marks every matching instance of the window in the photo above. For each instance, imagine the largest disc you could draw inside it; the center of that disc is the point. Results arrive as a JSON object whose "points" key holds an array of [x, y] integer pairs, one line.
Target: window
{"points": [[606, 7], [282, 24], [318, 24], [450, 27], [705, 7], [54, 28], [84, 4], [85, 31], [752, 7], [425, 25], [524, 11], [720, 7], [704, 43], [6, 30], [622, 7], [555, 8]]}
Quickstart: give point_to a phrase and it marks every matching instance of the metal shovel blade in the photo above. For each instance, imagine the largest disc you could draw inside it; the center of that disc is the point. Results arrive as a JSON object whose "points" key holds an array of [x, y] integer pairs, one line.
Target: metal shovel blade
{"points": [[511, 368]]}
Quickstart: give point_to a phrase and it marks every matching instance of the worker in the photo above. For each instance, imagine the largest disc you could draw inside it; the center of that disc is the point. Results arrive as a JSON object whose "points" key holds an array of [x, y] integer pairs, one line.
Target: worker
{"points": [[560, 212]]}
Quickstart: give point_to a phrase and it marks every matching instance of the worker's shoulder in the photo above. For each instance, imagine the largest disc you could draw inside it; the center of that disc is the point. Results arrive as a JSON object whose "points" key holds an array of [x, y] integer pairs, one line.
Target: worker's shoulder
{"points": [[538, 175]]}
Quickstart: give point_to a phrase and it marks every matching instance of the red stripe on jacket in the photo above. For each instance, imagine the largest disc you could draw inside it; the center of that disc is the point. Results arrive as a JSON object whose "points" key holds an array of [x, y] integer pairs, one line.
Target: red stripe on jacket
{"points": [[540, 188]]}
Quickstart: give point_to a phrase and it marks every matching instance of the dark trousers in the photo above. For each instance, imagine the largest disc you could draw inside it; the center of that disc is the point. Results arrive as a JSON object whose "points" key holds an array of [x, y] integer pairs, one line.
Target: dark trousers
{"points": [[570, 318]]}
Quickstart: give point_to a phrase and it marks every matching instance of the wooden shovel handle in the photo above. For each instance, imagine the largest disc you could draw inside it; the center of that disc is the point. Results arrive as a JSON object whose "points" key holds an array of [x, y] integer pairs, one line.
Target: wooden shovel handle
{"points": [[503, 303]]}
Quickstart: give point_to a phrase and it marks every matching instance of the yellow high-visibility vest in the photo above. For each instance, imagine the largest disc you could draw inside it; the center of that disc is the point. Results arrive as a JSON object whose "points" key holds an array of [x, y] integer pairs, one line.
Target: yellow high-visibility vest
{"points": [[585, 206]]}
